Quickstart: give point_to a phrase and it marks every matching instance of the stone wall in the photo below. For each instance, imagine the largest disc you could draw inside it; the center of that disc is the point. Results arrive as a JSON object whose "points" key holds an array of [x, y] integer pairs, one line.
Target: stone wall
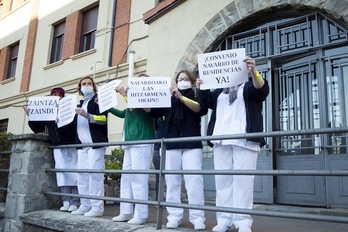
{"points": [[28, 180]]}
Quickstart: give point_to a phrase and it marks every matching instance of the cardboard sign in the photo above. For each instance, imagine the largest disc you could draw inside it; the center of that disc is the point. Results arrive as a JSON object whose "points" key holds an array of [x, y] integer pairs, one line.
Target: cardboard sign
{"points": [[149, 92], [222, 69], [107, 96], [43, 108], [66, 110]]}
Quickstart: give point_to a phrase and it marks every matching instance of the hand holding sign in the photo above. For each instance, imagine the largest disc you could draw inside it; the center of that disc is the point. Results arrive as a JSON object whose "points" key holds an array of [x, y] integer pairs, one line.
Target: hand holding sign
{"points": [[42, 108], [222, 69], [149, 92], [66, 111]]}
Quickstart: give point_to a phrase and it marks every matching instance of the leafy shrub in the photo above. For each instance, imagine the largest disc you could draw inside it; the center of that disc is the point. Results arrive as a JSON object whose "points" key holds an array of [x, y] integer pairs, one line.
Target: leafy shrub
{"points": [[5, 145], [114, 162]]}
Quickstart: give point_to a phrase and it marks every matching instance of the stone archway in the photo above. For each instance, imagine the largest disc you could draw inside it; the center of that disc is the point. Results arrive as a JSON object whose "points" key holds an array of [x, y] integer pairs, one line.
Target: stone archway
{"points": [[239, 13]]}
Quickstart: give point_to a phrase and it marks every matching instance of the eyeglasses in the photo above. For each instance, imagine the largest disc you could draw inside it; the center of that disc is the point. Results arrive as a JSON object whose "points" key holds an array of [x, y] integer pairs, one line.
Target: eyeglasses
{"points": [[183, 79]]}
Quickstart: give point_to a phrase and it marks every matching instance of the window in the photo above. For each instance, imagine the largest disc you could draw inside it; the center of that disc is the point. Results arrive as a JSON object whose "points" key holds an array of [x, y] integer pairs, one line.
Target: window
{"points": [[12, 64], [3, 125], [89, 26], [57, 42]]}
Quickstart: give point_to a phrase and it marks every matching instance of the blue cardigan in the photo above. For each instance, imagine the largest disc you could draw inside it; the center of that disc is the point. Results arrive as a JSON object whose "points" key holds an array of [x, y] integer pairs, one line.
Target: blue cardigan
{"points": [[191, 125]]}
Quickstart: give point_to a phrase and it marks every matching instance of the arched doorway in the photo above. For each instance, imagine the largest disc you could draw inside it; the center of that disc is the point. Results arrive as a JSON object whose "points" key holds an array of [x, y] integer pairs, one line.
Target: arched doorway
{"points": [[305, 59]]}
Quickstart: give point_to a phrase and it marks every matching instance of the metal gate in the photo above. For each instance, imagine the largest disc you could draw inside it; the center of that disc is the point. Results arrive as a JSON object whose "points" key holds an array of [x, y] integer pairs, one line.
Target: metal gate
{"points": [[305, 59]]}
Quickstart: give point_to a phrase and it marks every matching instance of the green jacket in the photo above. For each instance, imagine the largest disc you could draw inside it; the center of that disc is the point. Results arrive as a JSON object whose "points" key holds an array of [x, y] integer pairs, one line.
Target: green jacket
{"points": [[138, 125]]}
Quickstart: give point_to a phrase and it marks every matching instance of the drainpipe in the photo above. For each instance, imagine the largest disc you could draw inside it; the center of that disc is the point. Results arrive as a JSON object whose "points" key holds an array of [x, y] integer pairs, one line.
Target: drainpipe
{"points": [[131, 63], [112, 32]]}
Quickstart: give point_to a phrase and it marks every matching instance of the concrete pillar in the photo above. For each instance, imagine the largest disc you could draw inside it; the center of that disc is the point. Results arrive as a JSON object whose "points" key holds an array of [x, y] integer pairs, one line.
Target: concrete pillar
{"points": [[28, 180]]}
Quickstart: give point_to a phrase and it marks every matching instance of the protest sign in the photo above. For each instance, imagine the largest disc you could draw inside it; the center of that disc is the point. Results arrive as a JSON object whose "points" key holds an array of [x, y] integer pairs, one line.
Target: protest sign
{"points": [[222, 69], [66, 110], [149, 92], [107, 97], [43, 108]]}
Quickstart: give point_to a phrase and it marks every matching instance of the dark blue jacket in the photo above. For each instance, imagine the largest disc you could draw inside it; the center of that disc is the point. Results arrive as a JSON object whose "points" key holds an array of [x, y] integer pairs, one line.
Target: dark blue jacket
{"points": [[159, 133], [191, 125], [253, 99], [58, 136]]}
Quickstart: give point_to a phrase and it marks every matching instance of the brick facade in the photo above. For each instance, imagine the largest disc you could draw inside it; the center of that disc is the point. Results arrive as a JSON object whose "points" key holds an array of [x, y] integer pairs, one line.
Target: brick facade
{"points": [[4, 58], [72, 35], [121, 32], [29, 50]]}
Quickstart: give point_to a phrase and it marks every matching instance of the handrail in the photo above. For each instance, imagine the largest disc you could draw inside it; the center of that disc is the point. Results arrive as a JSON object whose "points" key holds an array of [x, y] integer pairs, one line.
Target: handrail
{"points": [[163, 172], [214, 172], [215, 137], [161, 203]]}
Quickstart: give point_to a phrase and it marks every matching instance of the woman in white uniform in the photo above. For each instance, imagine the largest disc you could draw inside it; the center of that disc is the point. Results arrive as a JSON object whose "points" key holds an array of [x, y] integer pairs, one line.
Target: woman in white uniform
{"points": [[236, 110], [65, 158], [183, 119], [91, 128]]}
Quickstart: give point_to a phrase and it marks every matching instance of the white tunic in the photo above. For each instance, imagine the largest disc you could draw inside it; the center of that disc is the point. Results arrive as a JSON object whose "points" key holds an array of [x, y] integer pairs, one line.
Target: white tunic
{"points": [[231, 119], [83, 127], [65, 158]]}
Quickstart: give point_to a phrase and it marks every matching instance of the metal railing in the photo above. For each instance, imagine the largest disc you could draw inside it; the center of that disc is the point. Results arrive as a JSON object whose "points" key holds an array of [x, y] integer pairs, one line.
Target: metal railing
{"points": [[162, 172]]}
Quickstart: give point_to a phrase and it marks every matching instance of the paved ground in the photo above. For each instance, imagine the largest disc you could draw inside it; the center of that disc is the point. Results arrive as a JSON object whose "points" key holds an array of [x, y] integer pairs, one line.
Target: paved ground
{"points": [[261, 223]]}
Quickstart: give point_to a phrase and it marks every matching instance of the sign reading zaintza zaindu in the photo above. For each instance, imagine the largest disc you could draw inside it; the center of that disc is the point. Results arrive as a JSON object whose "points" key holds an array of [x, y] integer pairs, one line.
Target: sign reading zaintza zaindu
{"points": [[149, 92], [43, 108], [222, 69]]}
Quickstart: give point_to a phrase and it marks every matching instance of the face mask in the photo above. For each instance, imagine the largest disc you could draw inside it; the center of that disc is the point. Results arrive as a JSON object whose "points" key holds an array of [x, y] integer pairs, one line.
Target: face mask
{"points": [[184, 85], [87, 90]]}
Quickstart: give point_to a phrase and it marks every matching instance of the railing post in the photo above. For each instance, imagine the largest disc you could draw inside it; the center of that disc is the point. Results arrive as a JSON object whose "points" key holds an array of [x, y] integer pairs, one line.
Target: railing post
{"points": [[28, 180]]}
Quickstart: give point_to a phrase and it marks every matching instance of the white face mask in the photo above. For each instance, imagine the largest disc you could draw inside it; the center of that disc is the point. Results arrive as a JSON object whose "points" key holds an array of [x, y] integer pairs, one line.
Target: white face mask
{"points": [[87, 90], [184, 85]]}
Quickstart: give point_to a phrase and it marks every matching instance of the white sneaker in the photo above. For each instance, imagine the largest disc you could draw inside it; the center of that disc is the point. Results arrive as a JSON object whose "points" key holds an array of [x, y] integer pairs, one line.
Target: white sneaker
{"points": [[122, 218], [172, 224], [137, 221], [93, 213], [72, 208], [244, 229], [220, 228], [199, 226], [81, 211], [65, 206]]}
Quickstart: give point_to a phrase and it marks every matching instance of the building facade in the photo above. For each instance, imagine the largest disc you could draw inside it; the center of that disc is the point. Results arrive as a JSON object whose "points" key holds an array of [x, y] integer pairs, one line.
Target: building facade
{"points": [[301, 48]]}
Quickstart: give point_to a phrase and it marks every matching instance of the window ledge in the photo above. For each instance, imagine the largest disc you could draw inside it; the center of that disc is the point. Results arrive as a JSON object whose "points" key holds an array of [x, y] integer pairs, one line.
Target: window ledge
{"points": [[8, 80], [160, 9], [60, 62], [82, 54]]}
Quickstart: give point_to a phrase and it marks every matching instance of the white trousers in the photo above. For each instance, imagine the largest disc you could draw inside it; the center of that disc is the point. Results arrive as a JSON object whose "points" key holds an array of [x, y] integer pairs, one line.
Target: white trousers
{"points": [[136, 186], [187, 159], [65, 158], [234, 191], [91, 183]]}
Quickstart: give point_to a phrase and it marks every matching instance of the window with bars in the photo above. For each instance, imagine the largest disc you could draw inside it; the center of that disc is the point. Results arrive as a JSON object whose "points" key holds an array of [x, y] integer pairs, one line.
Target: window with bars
{"points": [[57, 42], [89, 27], [287, 36]]}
